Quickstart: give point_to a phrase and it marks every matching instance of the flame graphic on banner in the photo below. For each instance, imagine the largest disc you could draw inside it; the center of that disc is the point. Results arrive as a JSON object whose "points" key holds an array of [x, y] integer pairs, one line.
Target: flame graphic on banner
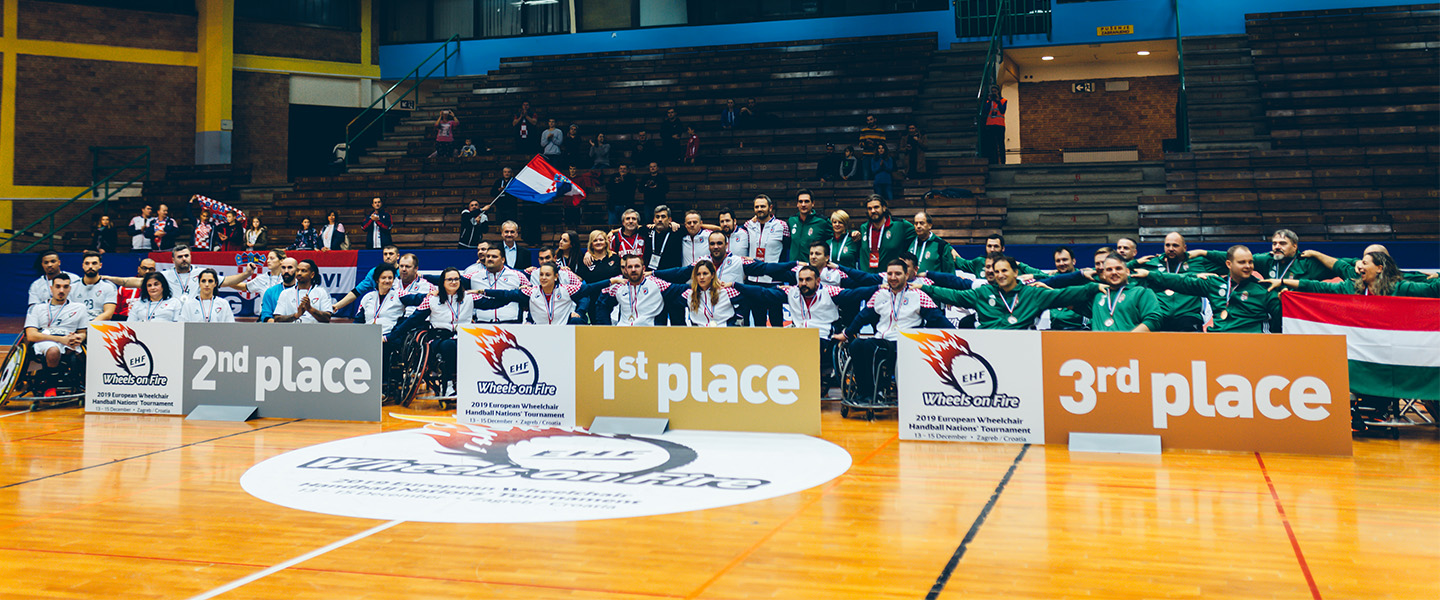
{"points": [[940, 353], [490, 444], [116, 338], [493, 343]]}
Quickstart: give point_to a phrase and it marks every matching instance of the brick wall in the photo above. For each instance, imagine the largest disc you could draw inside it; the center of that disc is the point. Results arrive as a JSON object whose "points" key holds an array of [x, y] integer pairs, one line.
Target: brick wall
{"points": [[262, 125], [1053, 118], [290, 41], [64, 106], [62, 22]]}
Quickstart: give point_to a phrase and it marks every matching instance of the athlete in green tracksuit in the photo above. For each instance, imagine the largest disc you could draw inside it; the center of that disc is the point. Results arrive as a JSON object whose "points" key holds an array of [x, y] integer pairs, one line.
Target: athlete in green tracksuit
{"points": [[1240, 303], [1007, 305]]}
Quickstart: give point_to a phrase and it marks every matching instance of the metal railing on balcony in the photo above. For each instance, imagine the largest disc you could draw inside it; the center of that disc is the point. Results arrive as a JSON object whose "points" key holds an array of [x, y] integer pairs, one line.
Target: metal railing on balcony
{"points": [[138, 165], [449, 48]]}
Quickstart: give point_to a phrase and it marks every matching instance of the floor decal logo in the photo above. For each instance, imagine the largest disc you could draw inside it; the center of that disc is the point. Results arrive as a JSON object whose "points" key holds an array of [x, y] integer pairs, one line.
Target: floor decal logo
{"points": [[466, 473]]}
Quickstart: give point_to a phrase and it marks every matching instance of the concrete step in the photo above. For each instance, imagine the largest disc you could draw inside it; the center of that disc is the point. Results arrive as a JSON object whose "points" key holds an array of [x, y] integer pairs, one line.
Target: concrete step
{"points": [[1228, 129], [1231, 143], [1223, 112], [1075, 177], [1076, 199], [1214, 42], [1033, 222]]}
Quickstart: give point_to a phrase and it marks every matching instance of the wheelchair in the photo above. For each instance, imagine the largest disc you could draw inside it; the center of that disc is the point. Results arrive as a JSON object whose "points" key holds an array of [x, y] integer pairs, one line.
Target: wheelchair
{"points": [[1387, 416], [852, 398], [417, 367], [23, 376]]}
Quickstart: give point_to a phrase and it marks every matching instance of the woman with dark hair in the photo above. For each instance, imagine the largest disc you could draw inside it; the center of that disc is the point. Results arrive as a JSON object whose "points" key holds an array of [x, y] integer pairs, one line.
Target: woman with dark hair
{"points": [[449, 307], [155, 303], [306, 238], [1379, 276], [332, 235], [569, 250], [883, 167], [550, 302], [255, 236], [206, 307]]}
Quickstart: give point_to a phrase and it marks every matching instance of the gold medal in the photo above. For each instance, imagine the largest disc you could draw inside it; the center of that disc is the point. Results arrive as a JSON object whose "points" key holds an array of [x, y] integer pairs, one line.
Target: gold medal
{"points": [[1109, 322], [1169, 292], [1224, 314]]}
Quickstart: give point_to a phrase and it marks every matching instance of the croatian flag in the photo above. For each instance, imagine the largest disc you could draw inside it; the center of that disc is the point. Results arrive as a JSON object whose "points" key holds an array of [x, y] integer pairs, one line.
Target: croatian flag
{"points": [[540, 183]]}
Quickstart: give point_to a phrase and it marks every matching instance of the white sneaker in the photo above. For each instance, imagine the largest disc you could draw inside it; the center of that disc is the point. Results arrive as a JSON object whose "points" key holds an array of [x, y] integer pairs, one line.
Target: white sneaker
{"points": [[449, 389]]}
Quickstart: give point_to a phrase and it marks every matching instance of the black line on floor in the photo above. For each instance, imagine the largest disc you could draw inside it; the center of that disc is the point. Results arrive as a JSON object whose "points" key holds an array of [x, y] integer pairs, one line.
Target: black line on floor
{"points": [[120, 460], [974, 529]]}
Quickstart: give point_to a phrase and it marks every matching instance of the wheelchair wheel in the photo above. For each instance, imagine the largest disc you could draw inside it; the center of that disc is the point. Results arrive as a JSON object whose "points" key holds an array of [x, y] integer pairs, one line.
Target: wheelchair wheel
{"points": [[12, 371]]}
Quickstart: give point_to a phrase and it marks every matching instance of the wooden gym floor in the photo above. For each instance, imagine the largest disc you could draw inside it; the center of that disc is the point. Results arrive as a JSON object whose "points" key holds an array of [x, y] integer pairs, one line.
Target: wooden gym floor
{"points": [[112, 506]]}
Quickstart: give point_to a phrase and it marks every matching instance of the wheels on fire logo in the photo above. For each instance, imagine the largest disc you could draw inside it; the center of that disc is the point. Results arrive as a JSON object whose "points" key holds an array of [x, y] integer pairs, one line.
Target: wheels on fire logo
{"points": [[552, 454], [962, 369], [131, 356], [511, 362]]}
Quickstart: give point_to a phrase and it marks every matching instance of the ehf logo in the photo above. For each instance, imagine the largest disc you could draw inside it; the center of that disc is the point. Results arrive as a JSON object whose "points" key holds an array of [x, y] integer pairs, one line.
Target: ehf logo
{"points": [[510, 361], [962, 369], [130, 354]]}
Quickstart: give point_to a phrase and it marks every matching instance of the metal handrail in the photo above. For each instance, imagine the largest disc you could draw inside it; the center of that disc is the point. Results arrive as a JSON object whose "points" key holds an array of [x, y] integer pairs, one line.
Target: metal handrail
{"points": [[50, 237], [988, 75], [1182, 102], [387, 107]]}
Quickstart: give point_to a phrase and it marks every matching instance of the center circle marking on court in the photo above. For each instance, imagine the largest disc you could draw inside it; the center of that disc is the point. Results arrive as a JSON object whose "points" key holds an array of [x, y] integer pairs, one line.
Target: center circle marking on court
{"points": [[459, 473]]}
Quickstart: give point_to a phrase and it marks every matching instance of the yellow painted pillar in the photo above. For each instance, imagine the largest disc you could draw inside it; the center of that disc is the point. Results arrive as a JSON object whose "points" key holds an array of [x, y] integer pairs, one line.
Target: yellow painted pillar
{"points": [[215, 76]]}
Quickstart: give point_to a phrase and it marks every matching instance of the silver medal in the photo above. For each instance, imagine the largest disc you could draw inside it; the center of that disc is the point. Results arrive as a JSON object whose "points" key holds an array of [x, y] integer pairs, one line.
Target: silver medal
{"points": [[1013, 320]]}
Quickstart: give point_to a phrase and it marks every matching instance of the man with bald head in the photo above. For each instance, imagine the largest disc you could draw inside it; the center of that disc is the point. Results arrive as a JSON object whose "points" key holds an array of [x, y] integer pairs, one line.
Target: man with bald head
{"points": [[1182, 311], [933, 253], [1241, 304]]}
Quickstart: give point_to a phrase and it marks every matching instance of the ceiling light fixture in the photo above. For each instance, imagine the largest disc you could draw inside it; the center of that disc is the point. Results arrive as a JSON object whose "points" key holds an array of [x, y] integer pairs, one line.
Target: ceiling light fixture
{"points": [[1047, 58], [1144, 53]]}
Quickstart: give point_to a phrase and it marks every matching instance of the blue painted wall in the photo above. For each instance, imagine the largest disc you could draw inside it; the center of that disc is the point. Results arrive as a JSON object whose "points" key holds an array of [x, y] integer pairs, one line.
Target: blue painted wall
{"points": [[1072, 24]]}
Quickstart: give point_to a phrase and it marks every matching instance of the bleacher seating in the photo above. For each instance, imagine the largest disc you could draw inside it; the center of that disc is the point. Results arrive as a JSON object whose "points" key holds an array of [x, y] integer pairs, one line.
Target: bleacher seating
{"points": [[1351, 101]]}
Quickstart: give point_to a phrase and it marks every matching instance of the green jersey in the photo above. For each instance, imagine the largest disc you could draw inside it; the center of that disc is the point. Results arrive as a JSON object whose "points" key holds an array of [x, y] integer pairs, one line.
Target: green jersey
{"points": [[933, 254], [1268, 267], [1125, 309], [1239, 306], [882, 243], [1171, 303], [1427, 289], [804, 232], [1066, 319], [1016, 309], [976, 266], [843, 251]]}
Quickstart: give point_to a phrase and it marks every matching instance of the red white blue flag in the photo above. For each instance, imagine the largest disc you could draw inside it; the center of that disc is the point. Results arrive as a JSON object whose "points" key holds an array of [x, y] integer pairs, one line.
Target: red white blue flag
{"points": [[541, 183]]}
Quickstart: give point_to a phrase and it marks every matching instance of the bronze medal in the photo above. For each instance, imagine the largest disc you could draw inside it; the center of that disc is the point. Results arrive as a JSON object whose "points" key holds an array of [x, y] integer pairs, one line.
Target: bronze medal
{"points": [[1169, 292]]}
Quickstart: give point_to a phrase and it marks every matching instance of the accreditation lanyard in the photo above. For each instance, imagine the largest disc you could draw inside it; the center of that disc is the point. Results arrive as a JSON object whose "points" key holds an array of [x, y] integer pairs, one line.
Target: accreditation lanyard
{"points": [[895, 305], [808, 304], [1286, 271], [699, 244], [875, 236], [50, 311], [707, 307], [549, 306], [1229, 292], [380, 306], [206, 310]]}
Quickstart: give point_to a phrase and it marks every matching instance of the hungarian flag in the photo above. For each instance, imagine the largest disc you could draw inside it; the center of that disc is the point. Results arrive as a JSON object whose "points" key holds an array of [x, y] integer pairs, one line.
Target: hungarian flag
{"points": [[1393, 343], [539, 182]]}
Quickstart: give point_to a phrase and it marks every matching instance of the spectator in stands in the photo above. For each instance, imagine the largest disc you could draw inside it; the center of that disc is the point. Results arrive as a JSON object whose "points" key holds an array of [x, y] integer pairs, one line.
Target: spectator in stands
{"points": [[255, 238], [844, 243], [230, 235], [729, 115], [506, 176], [138, 240], [654, 187], [849, 164], [473, 224], [750, 116], [585, 180], [912, 153], [525, 123], [619, 194], [306, 238], [644, 150], [992, 135], [332, 235], [828, 167], [202, 238], [672, 132], [599, 152], [377, 226], [577, 151], [162, 229], [102, 235], [692, 145], [445, 125], [516, 255], [871, 138], [552, 144], [881, 167], [806, 227], [469, 150]]}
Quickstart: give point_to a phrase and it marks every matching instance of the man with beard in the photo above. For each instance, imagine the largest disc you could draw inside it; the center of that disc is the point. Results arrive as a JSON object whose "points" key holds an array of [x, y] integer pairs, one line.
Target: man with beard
{"points": [[1007, 304], [737, 238], [97, 295], [126, 294], [664, 242], [768, 237], [306, 302], [1125, 306], [893, 307], [497, 276], [882, 239], [1181, 312], [1283, 262], [1240, 302], [635, 299], [272, 294], [180, 276], [49, 263]]}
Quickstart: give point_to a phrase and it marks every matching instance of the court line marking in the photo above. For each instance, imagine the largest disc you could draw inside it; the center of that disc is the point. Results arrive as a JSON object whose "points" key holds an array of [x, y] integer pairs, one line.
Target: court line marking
{"points": [[273, 569], [120, 460], [18, 412], [828, 487], [974, 528], [1294, 542]]}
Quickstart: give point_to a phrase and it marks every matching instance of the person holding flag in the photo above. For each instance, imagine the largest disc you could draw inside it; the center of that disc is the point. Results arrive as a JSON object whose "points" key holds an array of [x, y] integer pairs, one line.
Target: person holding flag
{"points": [[541, 183]]}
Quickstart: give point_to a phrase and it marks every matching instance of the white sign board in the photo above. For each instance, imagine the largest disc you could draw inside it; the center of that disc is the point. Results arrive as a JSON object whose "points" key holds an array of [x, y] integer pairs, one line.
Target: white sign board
{"points": [[971, 386]]}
